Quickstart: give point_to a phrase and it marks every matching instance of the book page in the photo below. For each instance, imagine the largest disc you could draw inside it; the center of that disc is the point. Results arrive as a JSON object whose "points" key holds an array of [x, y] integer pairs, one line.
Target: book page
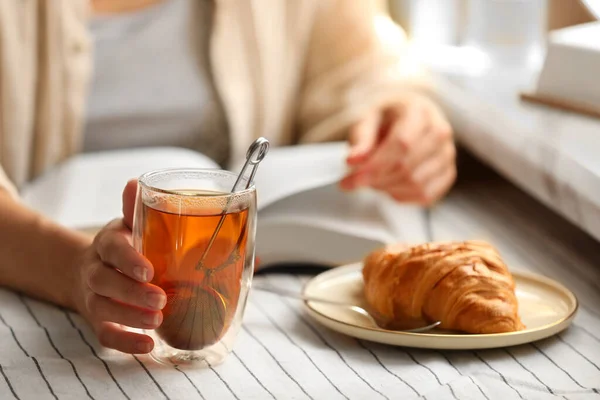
{"points": [[356, 213], [85, 191], [293, 243], [323, 225], [288, 170]]}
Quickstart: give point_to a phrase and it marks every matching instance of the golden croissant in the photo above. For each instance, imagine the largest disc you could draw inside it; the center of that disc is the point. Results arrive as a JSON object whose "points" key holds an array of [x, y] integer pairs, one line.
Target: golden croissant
{"points": [[465, 285]]}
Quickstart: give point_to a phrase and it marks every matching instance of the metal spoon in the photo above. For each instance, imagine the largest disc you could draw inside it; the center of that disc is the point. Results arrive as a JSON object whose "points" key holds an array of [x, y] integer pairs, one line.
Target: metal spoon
{"points": [[255, 154], [355, 308]]}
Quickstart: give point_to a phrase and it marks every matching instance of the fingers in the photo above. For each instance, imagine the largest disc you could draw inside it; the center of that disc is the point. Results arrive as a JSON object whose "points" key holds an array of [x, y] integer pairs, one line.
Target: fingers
{"points": [[427, 184], [363, 137], [406, 193], [113, 247], [396, 131], [436, 138], [431, 143], [419, 175], [415, 160], [404, 134], [402, 140], [432, 174], [112, 336], [355, 180], [108, 282], [129, 194], [107, 310], [115, 289], [435, 165], [439, 185]]}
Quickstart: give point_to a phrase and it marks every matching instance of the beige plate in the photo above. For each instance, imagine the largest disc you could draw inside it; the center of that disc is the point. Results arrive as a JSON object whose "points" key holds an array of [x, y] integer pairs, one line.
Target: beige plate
{"points": [[545, 306]]}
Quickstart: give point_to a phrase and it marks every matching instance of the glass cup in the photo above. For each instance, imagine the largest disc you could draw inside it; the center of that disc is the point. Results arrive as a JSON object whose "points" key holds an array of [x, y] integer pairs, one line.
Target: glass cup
{"points": [[176, 214]]}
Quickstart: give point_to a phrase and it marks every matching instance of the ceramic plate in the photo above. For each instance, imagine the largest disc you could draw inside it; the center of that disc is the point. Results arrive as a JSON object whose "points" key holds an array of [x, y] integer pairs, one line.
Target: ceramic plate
{"points": [[545, 306]]}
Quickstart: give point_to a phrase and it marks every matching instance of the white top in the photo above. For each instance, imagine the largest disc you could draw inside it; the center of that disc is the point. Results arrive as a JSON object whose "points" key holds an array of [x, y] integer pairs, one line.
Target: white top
{"points": [[152, 83]]}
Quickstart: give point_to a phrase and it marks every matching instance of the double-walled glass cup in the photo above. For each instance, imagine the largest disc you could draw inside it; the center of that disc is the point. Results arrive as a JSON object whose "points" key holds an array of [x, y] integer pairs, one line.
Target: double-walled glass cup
{"points": [[176, 214]]}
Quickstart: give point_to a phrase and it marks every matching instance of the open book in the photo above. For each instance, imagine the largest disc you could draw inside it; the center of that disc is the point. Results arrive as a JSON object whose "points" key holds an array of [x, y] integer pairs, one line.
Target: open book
{"points": [[302, 215]]}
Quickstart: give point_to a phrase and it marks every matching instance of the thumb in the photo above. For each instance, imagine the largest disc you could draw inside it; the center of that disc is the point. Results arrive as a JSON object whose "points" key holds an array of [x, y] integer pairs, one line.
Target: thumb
{"points": [[363, 137], [129, 194]]}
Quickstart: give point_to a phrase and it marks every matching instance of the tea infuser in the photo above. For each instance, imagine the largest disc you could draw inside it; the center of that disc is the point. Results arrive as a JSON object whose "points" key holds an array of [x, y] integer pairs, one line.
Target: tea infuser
{"points": [[353, 307], [255, 154]]}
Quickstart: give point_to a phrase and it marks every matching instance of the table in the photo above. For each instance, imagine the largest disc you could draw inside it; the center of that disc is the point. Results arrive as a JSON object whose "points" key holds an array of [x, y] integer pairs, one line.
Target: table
{"points": [[550, 153], [48, 353]]}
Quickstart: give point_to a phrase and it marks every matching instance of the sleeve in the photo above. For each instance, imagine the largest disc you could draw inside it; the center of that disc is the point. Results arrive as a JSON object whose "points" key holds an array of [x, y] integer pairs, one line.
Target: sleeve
{"points": [[8, 41], [357, 60], [7, 185]]}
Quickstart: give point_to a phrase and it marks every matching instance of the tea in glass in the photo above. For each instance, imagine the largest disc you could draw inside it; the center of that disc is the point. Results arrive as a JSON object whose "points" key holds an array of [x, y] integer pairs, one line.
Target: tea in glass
{"points": [[177, 213]]}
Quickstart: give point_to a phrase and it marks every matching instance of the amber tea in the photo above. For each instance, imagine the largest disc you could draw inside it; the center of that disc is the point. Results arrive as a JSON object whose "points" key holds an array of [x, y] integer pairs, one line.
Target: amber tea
{"points": [[201, 299], [206, 281]]}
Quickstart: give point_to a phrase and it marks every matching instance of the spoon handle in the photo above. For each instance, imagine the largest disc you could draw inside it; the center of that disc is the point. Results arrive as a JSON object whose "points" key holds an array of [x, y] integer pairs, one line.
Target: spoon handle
{"points": [[296, 295], [300, 296]]}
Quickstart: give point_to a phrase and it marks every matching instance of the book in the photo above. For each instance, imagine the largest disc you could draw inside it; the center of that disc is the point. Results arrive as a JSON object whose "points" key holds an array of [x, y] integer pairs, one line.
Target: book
{"points": [[567, 78], [303, 216]]}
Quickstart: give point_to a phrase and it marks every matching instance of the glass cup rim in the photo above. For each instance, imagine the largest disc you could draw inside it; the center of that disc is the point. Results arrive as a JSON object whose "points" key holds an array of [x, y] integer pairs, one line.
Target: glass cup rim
{"points": [[141, 181]]}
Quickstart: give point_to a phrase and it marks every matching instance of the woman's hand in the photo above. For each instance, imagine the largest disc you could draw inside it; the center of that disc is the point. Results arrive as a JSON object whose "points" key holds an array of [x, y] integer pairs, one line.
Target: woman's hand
{"points": [[112, 289], [406, 150]]}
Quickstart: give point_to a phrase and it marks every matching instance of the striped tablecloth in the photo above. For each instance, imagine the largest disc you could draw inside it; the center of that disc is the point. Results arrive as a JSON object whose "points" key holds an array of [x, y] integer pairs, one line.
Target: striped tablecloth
{"points": [[48, 353]]}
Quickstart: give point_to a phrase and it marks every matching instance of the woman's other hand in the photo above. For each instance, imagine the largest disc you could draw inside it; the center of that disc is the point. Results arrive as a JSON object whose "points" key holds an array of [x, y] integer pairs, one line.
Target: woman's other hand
{"points": [[406, 150], [112, 290]]}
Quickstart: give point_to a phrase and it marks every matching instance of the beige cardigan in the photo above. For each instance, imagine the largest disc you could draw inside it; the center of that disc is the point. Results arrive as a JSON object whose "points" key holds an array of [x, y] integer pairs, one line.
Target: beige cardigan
{"points": [[290, 70]]}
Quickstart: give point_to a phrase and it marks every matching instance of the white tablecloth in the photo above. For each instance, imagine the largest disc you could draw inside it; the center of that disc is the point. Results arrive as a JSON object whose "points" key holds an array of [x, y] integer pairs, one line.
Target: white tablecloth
{"points": [[47, 353]]}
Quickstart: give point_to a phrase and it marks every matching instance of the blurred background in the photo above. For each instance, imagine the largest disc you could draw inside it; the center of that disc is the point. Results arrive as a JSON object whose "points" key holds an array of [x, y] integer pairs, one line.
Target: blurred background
{"points": [[518, 79], [507, 31]]}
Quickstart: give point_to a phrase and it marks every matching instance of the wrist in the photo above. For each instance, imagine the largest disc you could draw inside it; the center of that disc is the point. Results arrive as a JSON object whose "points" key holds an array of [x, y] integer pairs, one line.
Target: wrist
{"points": [[37, 256], [69, 247]]}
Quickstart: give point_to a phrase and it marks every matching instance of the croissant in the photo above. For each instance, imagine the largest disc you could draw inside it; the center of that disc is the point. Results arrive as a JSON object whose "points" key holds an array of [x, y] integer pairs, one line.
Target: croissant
{"points": [[465, 285]]}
